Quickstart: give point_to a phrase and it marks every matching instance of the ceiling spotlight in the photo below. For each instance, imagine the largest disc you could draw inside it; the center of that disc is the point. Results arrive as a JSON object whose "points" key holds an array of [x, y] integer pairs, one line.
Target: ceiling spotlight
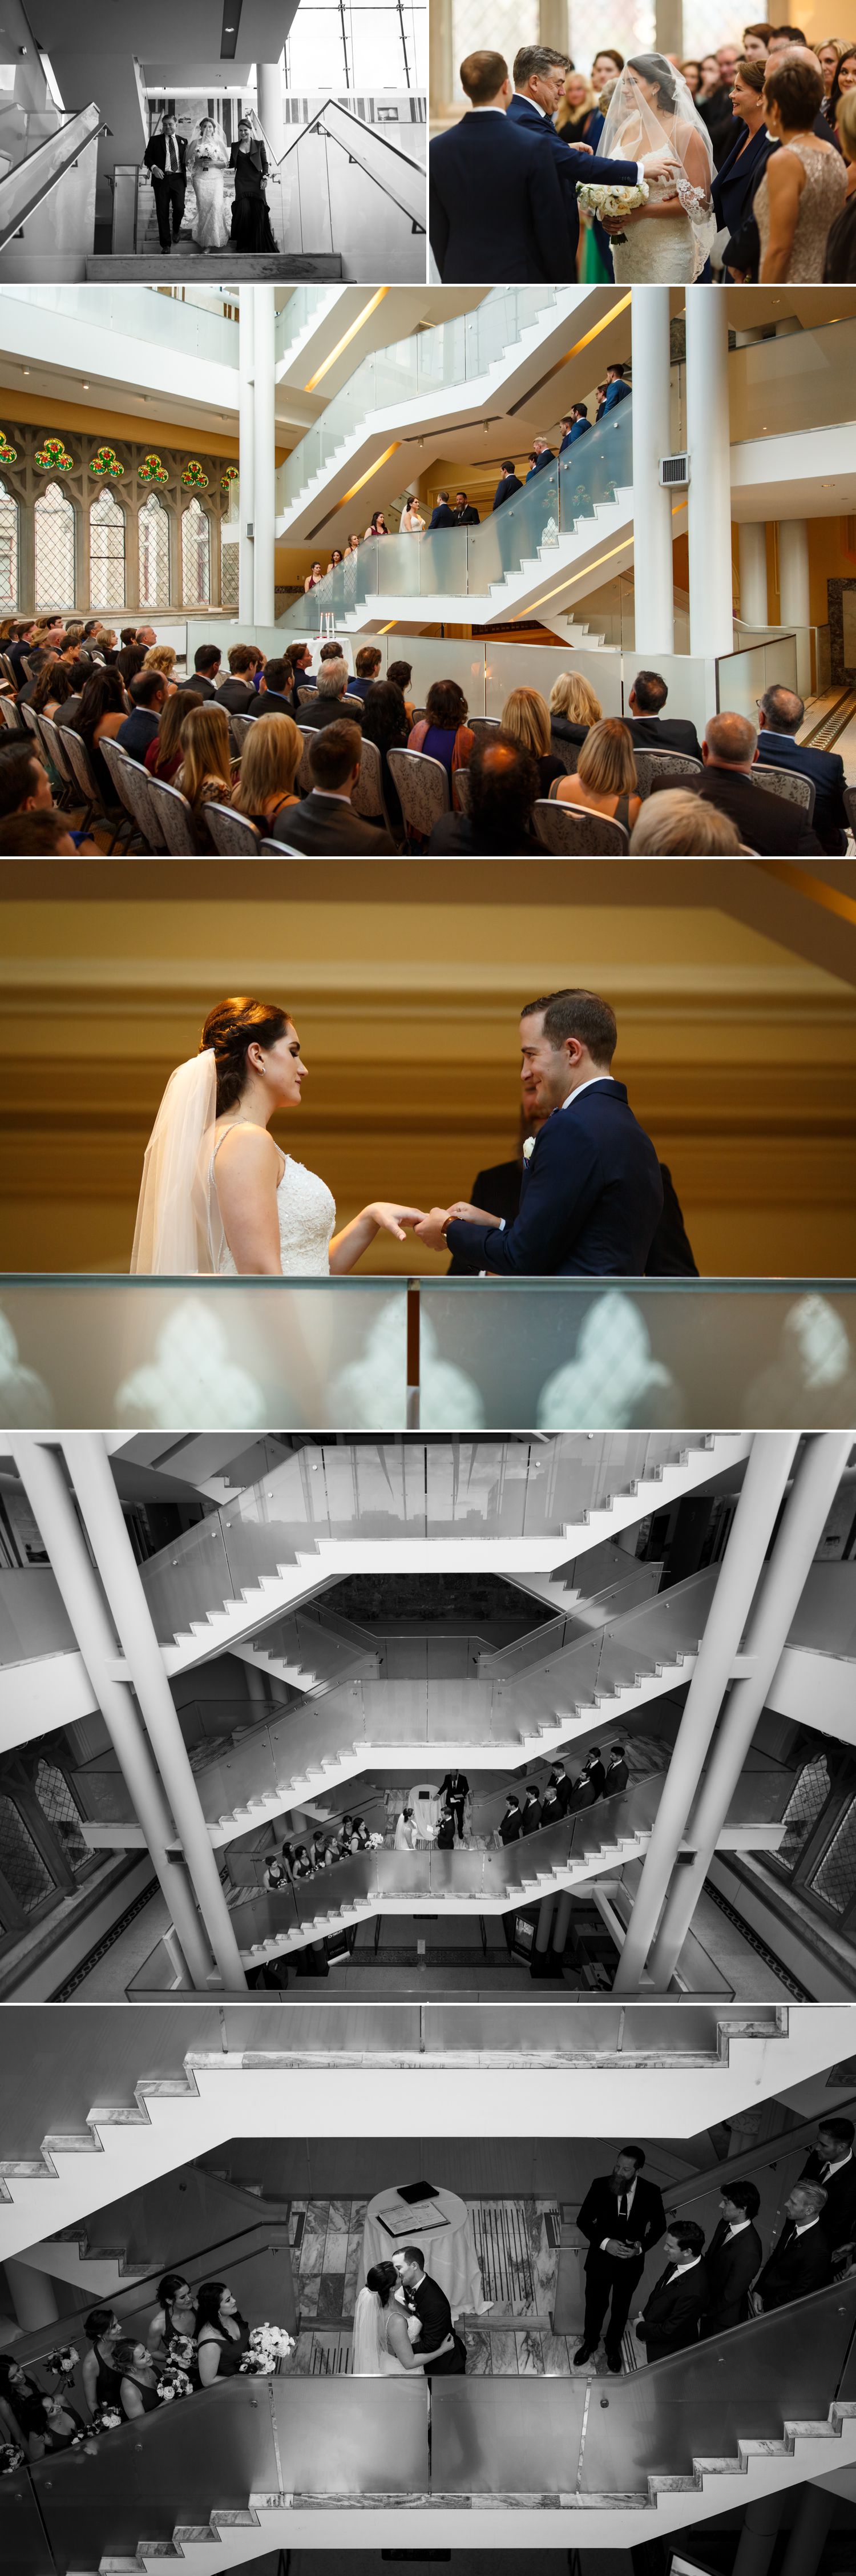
{"points": [[26, 371]]}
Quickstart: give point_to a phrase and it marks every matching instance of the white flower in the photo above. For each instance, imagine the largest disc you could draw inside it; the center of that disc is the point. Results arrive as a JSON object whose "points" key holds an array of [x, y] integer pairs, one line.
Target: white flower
{"points": [[611, 202], [529, 1149], [267, 2345]]}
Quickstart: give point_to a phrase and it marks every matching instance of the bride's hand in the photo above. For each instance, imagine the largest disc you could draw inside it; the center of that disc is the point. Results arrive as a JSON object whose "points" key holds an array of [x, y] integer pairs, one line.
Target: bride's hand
{"points": [[386, 1213], [414, 2328]]}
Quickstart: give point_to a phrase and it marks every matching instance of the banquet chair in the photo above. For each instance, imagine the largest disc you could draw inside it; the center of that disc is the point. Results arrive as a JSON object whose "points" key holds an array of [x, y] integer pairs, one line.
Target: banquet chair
{"points": [[239, 727], [232, 834], [53, 738], [368, 797], [785, 782], [463, 791], [304, 694], [303, 775], [30, 719], [566, 752], [175, 818], [572, 833], [138, 784], [118, 763], [423, 787], [279, 850], [654, 767], [10, 715], [86, 782]]}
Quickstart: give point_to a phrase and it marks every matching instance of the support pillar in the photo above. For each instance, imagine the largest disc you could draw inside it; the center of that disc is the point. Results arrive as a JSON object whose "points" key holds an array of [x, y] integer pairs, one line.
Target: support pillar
{"points": [[758, 2537], [811, 2523], [33, 2295], [264, 497], [269, 100], [562, 1922], [794, 586], [545, 1917], [815, 1486], [246, 457], [652, 505], [553, 26], [47, 1492], [114, 1556], [752, 547], [669, 28], [441, 71], [764, 1484], [709, 512]]}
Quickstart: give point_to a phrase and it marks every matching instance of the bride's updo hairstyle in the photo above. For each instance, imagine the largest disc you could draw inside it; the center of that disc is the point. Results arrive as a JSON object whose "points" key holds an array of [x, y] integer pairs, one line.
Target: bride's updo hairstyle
{"points": [[230, 1030], [382, 2280], [655, 68]]}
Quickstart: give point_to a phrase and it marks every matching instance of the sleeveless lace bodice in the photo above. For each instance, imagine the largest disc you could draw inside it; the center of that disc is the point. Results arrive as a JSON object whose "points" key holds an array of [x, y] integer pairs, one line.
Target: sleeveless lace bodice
{"points": [[307, 1214], [820, 201]]}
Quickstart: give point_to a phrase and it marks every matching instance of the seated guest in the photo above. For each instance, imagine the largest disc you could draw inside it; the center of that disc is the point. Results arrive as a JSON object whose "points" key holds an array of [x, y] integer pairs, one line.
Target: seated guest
{"points": [[149, 695], [298, 663], [55, 683], [503, 789], [272, 696], [840, 262], [161, 657], [831, 2163], [801, 2260], [41, 835], [205, 775], [780, 714], [443, 732], [222, 2334], [740, 173], [324, 825], [768, 824], [103, 710], [163, 755], [237, 694], [604, 781], [511, 1824], [441, 515], [573, 708], [139, 2381], [616, 1775], [19, 652], [79, 673], [368, 667], [496, 208], [647, 725], [526, 717], [206, 664], [530, 1821], [674, 823], [508, 484], [269, 762], [385, 724], [326, 709], [672, 2315], [732, 2259], [129, 663]]}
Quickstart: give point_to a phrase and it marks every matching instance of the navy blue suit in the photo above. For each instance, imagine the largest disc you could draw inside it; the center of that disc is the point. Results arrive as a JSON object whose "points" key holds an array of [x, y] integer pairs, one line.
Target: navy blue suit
{"points": [[733, 195], [546, 458], [829, 820], [615, 393], [508, 484], [496, 209], [590, 1201], [442, 517], [580, 430], [570, 165]]}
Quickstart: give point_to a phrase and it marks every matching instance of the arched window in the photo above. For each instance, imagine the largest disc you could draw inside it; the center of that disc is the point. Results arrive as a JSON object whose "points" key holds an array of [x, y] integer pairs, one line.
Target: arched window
{"points": [[55, 568], [8, 549], [195, 556], [62, 1812], [21, 1864], [106, 552], [228, 569], [153, 525]]}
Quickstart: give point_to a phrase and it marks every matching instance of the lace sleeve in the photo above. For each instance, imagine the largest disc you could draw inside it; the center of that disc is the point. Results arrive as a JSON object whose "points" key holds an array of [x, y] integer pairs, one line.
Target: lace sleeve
{"points": [[695, 201]]}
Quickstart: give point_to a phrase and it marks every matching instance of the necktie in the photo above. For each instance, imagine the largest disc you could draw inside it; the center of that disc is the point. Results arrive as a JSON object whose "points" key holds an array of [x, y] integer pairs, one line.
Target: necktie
{"points": [[173, 158], [824, 2173], [622, 2204]]}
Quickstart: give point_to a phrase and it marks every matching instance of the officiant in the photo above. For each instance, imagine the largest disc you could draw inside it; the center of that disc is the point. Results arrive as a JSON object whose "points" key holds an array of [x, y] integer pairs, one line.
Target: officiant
{"points": [[165, 157]]}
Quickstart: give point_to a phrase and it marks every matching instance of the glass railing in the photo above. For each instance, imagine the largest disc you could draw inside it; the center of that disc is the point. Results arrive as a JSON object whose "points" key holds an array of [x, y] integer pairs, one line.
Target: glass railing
{"points": [[136, 313], [452, 353], [802, 380], [33, 1616], [58, 168], [566, 495], [590, 1613]]}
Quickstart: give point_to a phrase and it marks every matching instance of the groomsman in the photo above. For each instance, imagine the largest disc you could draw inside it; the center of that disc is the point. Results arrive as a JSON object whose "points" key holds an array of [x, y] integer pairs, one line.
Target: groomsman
{"points": [[732, 2259], [531, 1818], [831, 2163], [622, 2216], [617, 1774], [511, 1824], [555, 1798], [801, 2259], [496, 206], [455, 1790], [575, 427], [508, 484], [671, 2316]]}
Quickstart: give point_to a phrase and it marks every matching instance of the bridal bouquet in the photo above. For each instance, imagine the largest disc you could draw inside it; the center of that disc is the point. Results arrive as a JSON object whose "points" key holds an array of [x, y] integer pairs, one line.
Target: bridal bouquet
{"points": [[11, 2458], [267, 2346], [62, 2362], [174, 2383], [181, 2351], [613, 203], [375, 1841]]}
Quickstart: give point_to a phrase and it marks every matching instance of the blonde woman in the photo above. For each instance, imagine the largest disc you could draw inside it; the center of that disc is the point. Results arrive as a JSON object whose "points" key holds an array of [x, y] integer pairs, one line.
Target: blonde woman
{"points": [[269, 760], [605, 779], [526, 716], [577, 106], [205, 776], [161, 657], [573, 709]]}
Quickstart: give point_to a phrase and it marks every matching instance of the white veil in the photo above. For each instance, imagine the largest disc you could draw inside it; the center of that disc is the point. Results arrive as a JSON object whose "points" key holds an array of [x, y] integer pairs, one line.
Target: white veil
{"points": [[366, 2362], [214, 146], [637, 123], [178, 1232]]}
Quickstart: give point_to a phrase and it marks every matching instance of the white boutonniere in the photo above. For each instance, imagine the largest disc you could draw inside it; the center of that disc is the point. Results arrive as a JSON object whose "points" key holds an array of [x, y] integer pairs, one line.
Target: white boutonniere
{"points": [[529, 1148]]}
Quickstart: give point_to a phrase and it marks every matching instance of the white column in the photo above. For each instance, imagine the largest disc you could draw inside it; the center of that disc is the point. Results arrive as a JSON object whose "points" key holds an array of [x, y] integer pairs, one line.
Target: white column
{"points": [[764, 1484], [812, 1495], [47, 1493], [264, 497], [652, 505], [711, 613], [752, 544], [246, 456], [794, 608], [102, 1513], [33, 2295], [269, 99]]}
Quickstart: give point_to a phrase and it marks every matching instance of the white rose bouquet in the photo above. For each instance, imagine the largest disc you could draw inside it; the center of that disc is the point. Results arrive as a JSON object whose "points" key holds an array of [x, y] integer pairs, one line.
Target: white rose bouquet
{"points": [[611, 203], [267, 2346], [11, 2458], [104, 2419], [375, 1841], [173, 2383], [62, 2362]]}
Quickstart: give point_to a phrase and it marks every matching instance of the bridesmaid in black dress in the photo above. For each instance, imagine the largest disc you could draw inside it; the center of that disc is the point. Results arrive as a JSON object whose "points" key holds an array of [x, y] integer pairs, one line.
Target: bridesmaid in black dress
{"points": [[222, 2333], [251, 225]]}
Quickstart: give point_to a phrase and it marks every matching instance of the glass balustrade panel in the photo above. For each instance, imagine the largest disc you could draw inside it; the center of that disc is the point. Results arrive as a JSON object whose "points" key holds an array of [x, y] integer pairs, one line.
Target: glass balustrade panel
{"points": [[504, 2437], [596, 467], [526, 526], [702, 2403]]}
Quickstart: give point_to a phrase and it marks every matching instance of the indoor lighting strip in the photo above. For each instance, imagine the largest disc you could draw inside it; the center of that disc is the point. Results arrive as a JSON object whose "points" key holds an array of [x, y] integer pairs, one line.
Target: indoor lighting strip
{"points": [[373, 468], [604, 325], [570, 578], [370, 307]]}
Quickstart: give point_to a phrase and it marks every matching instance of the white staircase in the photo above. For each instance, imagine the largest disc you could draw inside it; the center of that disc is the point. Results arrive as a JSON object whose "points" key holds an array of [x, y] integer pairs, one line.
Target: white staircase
{"points": [[539, 580]]}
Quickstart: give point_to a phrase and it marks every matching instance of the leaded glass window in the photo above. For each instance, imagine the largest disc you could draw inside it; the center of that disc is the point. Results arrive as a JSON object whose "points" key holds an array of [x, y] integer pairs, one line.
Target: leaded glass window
{"points": [[8, 549], [195, 556], [804, 1810], [62, 1812], [106, 552], [153, 525], [21, 1863], [835, 1877], [54, 542]]}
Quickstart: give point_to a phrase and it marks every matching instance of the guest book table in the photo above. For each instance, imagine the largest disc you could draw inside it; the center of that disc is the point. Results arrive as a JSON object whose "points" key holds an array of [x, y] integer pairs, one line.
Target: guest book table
{"points": [[449, 2252]]}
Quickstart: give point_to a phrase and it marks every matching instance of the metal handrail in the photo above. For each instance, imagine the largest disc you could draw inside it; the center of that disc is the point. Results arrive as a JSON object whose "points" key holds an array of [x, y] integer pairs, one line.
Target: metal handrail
{"points": [[23, 214], [362, 165]]}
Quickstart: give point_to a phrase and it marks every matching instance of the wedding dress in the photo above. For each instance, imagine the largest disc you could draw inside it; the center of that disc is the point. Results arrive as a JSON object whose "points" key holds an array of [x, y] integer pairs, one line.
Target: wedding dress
{"points": [[372, 2357], [212, 229], [179, 1230], [652, 110], [307, 1214]]}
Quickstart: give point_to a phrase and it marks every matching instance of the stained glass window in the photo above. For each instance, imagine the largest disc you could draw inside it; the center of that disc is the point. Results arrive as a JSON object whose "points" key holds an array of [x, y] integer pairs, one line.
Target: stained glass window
{"points": [[106, 552], [153, 526], [54, 540], [8, 549], [21, 1864], [63, 1815], [195, 556]]}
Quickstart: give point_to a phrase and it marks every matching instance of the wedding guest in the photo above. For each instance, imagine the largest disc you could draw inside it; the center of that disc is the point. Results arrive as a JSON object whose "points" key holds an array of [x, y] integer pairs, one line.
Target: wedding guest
{"points": [[840, 264], [205, 775], [510, 1825], [576, 108], [691, 73], [385, 724], [496, 208], [647, 725], [161, 657], [399, 675], [732, 2259], [740, 174], [103, 709], [24, 782], [503, 788], [443, 732], [526, 718], [42, 836], [606, 63], [272, 696], [441, 515], [139, 2381], [252, 230], [573, 709], [672, 2315], [540, 455], [336, 558], [378, 526], [206, 664], [829, 56], [617, 1773], [604, 781], [237, 694], [129, 663], [149, 696], [332, 689], [313, 577], [324, 824], [299, 675], [729, 751], [831, 2164], [222, 2334], [756, 40], [163, 756], [175, 2314], [368, 668], [270, 760], [844, 80], [804, 184], [508, 484], [780, 714], [22, 2416], [801, 2260], [623, 2217], [56, 683], [676, 823], [99, 2371], [165, 157]]}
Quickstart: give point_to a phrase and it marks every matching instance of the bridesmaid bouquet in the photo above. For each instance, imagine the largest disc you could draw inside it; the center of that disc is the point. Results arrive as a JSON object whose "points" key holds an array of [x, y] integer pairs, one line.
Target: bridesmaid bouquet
{"points": [[267, 2346], [62, 2362], [181, 2352], [11, 2458], [172, 2384], [104, 2419], [599, 199]]}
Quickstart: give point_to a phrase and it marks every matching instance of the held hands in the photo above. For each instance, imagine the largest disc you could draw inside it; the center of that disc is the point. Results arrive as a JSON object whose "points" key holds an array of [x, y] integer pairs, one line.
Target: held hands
{"points": [[386, 1214], [656, 164]]}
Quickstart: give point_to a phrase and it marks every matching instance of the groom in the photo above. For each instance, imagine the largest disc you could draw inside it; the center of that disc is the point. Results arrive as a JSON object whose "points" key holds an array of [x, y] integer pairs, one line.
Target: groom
{"points": [[424, 2299], [166, 157]]}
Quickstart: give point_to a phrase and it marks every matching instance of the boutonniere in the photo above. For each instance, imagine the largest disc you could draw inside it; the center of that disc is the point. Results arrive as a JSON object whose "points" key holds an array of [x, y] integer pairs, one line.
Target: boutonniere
{"points": [[529, 1148]]}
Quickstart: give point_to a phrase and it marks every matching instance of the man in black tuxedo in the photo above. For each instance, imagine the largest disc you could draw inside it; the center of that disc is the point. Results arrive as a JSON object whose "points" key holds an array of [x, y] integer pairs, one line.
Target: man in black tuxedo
{"points": [[732, 2259], [531, 1819], [647, 724], [622, 2216], [496, 206], [464, 514], [510, 1825], [780, 714], [769, 824], [455, 1789], [591, 1194], [801, 2260], [617, 1775], [672, 2315], [166, 157], [831, 2163], [429, 2303], [539, 79], [204, 675], [508, 484], [442, 516]]}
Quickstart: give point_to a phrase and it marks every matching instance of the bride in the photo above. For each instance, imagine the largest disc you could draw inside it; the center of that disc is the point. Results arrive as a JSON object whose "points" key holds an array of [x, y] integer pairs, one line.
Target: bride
{"points": [[668, 240], [217, 1194], [383, 2332], [207, 158]]}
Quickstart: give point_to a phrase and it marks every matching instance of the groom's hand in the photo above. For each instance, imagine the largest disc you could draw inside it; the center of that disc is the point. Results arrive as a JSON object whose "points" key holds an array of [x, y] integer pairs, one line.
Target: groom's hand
{"points": [[473, 1215], [432, 1229]]}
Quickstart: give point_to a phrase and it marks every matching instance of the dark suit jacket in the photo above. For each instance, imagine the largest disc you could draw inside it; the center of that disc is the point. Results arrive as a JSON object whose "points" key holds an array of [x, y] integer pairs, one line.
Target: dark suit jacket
{"points": [[510, 1828], [154, 155], [734, 188], [468, 517], [596, 1775], [201, 687], [644, 2225], [530, 1822], [778, 831], [590, 1199], [580, 430], [839, 2215], [568, 164], [584, 1793], [237, 697], [442, 517], [323, 711], [455, 1785], [731, 2269], [435, 2317], [270, 702], [546, 458], [138, 730], [508, 483], [826, 768], [618, 392], [496, 207], [616, 1779], [797, 2265], [552, 1806], [664, 733], [672, 2315], [670, 1256], [324, 828]]}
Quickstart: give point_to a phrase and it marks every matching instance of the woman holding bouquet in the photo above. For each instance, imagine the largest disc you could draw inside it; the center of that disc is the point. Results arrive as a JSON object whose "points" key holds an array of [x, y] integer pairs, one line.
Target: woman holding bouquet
{"points": [[664, 237], [140, 2375], [223, 2335]]}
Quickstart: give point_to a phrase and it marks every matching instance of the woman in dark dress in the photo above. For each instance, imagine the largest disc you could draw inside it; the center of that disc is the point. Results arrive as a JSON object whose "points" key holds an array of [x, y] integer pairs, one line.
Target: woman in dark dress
{"points": [[741, 173], [222, 2333], [251, 225]]}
